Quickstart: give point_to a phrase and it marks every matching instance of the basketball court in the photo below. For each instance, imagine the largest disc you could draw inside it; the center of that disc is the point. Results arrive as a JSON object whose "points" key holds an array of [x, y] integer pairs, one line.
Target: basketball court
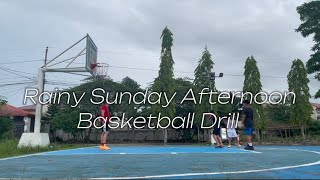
{"points": [[171, 161], [151, 161]]}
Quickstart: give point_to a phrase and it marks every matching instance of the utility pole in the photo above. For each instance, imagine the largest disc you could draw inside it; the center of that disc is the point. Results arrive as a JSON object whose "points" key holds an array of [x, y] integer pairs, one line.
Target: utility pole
{"points": [[37, 138], [213, 78], [45, 62], [41, 82]]}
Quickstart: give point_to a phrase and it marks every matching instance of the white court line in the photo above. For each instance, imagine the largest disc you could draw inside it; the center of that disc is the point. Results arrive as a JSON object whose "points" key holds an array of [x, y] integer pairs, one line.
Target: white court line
{"points": [[247, 151], [49, 153], [225, 172], [124, 153], [41, 153], [15, 157]]}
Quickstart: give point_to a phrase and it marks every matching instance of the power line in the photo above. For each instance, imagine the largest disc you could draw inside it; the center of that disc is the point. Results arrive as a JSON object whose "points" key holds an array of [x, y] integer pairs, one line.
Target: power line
{"points": [[157, 55], [6, 88], [15, 73], [15, 78], [17, 83], [13, 90], [234, 75], [129, 53], [18, 62]]}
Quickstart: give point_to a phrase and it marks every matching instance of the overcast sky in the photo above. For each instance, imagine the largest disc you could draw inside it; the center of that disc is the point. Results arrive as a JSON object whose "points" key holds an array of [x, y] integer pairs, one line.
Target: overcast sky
{"points": [[127, 34]]}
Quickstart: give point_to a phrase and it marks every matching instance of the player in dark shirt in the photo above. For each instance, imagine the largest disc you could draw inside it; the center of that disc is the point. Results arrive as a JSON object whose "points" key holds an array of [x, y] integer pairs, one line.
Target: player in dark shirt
{"points": [[247, 121], [216, 131]]}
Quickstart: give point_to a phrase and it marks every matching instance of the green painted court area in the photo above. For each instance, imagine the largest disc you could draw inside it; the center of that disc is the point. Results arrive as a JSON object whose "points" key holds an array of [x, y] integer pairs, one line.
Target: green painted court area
{"points": [[179, 161]]}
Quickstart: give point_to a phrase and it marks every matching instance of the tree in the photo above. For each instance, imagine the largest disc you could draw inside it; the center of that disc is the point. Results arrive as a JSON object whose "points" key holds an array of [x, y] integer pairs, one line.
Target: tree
{"points": [[6, 126], [132, 109], [3, 100], [183, 85], [202, 80], [225, 109], [127, 81], [67, 117], [132, 87], [310, 17], [53, 110], [279, 113], [301, 110], [67, 120], [165, 81], [253, 85]]}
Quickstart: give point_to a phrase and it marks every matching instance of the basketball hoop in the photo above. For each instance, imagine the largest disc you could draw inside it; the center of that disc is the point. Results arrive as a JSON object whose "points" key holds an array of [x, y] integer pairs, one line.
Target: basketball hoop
{"points": [[92, 66], [99, 70]]}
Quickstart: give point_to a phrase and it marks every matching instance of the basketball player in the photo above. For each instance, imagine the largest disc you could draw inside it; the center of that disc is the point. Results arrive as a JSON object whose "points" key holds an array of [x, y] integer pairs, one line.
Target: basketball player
{"points": [[216, 132], [247, 121], [231, 132], [104, 112], [238, 136]]}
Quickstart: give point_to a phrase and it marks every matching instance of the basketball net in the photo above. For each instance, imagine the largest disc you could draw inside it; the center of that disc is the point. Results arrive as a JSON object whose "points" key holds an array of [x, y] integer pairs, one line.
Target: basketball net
{"points": [[100, 69]]}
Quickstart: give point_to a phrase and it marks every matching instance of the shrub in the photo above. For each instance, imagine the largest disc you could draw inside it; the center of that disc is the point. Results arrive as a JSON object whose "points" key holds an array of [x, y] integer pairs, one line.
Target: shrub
{"points": [[6, 128], [314, 127]]}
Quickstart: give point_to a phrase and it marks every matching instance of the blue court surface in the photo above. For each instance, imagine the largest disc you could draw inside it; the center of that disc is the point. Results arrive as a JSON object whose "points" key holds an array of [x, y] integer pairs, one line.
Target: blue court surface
{"points": [[168, 162]]}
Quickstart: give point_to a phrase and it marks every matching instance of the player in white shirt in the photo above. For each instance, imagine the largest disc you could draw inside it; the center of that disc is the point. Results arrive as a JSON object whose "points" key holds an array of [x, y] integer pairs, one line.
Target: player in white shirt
{"points": [[232, 133]]}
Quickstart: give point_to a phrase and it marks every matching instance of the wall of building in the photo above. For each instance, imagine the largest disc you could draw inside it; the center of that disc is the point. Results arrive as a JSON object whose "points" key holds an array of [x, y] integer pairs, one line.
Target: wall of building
{"points": [[314, 113]]}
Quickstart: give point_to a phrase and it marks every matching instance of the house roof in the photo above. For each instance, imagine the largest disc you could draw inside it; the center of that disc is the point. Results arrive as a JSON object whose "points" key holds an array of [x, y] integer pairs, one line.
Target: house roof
{"points": [[29, 107], [8, 110], [316, 105]]}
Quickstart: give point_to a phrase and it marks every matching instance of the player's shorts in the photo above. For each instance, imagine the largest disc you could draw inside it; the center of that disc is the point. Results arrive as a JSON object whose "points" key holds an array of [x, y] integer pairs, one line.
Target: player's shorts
{"points": [[105, 128], [216, 131], [231, 133], [248, 131]]}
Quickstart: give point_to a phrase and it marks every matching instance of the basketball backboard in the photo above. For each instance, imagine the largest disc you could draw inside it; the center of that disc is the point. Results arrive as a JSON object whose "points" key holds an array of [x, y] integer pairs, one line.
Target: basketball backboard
{"points": [[85, 63], [91, 56]]}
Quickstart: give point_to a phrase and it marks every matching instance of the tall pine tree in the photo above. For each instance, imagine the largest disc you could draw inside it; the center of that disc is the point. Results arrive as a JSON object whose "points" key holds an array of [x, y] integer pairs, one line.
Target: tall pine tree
{"points": [[253, 85], [165, 81], [202, 80], [301, 110], [310, 17]]}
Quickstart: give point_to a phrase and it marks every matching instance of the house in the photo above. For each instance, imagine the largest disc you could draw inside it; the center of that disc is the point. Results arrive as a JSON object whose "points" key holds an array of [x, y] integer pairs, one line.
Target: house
{"points": [[316, 111], [32, 108], [21, 119]]}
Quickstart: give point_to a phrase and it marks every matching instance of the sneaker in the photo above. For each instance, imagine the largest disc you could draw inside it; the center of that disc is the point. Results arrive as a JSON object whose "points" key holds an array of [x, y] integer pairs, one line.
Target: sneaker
{"points": [[239, 145], [229, 146], [249, 148], [106, 147]]}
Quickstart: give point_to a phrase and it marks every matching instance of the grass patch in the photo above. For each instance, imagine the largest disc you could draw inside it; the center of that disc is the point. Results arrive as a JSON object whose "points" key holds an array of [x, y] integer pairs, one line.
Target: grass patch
{"points": [[8, 148]]}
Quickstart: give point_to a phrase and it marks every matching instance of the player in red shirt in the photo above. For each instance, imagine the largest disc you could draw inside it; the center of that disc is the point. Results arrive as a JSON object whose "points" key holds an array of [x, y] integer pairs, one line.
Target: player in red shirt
{"points": [[105, 113]]}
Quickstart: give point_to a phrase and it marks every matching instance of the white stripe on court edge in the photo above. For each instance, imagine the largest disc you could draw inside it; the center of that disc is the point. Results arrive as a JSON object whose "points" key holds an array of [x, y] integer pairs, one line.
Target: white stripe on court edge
{"points": [[41, 153], [219, 173], [46, 154]]}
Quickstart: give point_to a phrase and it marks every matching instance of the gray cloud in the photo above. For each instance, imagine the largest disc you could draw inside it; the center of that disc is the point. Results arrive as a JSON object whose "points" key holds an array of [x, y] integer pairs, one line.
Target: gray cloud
{"points": [[127, 34]]}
